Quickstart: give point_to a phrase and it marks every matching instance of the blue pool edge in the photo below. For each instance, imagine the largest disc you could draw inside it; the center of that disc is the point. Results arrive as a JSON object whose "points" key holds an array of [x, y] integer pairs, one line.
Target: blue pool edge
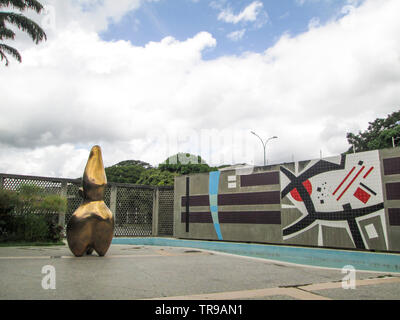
{"points": [[315, 257]]}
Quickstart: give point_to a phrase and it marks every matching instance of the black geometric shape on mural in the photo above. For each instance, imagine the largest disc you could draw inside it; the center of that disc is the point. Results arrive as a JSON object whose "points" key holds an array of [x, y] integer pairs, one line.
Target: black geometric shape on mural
{"points": [[367, 188], [322, 201], [360, 163], [321, 166], [355, 233], [347, 207], [319, 189]]}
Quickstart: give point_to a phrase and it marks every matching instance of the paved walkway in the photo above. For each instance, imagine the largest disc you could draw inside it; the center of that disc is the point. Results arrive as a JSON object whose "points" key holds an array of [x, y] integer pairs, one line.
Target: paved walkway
{"points": [[151, 272]]}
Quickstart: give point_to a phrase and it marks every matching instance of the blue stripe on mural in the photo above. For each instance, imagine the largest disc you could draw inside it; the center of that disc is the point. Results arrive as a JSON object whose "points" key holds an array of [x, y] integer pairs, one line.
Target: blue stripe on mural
{"points": [[214, 182], [214, 208], [218, 230], [213, 192]]}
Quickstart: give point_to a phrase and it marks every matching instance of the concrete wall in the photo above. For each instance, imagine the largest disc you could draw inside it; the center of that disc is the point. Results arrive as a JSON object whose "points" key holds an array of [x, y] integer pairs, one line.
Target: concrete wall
{"points": [[390, 171], [348, 201], [236, 221]]}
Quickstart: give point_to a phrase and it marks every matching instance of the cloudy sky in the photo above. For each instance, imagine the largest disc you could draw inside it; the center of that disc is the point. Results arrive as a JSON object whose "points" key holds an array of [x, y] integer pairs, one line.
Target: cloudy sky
{"points": [[145, 79]]}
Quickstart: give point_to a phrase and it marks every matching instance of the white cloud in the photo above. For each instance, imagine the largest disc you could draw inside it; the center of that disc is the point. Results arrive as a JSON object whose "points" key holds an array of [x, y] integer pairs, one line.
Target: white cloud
{"points": [[90, 15], [52, 161], [77, 90], [249, 13], [347, 8], [236, 35], [350, 6], [314, 23]]}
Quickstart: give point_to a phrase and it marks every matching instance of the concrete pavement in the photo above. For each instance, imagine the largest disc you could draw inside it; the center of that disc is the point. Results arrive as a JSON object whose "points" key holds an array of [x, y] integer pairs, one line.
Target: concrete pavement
{"points": [[154, 272]]}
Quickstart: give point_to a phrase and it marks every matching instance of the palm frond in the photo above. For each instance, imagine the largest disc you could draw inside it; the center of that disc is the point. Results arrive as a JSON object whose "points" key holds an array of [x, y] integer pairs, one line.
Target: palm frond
{"points": [[9, 50], [32, 28], [6, 33], [35, 5], [3, 57], [18, 4], [22, 4]]}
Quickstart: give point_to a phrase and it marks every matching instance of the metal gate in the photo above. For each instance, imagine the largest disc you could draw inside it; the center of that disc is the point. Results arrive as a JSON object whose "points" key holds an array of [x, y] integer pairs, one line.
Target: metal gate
{"points": [[134, 211], [166, 212]]}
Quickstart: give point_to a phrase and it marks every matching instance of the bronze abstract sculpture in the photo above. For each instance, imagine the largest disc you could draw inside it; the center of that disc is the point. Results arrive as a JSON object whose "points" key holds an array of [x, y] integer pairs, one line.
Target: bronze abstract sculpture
{"points": [[91, 226]]}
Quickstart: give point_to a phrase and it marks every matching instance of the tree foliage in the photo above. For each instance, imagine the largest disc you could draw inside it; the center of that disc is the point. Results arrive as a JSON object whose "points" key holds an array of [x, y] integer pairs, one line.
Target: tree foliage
{"points": [[378, 135], [128, 171], [139, 172], [185, 163], [21, 22], [134, 163], [156, 177]]}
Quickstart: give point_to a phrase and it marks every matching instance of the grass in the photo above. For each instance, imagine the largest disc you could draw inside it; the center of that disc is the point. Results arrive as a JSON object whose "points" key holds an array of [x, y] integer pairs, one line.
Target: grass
{"points": [[30, 244]]}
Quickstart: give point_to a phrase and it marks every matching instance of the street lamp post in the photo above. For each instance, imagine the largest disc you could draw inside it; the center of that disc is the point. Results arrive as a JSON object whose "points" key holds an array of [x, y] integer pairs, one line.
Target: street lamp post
{"points": [[394, 141], [395, 138], [264, 143]]}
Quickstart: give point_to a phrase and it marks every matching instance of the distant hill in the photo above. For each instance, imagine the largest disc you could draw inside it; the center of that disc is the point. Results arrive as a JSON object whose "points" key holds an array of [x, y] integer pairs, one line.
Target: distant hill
{"points": [[128, 171], [133, 163], [185, 163], [140, 172]]}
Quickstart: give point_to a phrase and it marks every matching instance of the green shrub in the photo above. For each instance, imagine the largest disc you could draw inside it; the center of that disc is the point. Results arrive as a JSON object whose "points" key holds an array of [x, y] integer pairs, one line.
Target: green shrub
{"points": [[30, 214], [52, 203], [8, 201], [36, 228]]}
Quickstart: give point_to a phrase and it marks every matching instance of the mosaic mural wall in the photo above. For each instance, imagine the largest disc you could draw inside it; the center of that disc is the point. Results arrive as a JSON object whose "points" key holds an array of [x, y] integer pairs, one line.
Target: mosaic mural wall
{"points": [[348, 201], [340, 195]]}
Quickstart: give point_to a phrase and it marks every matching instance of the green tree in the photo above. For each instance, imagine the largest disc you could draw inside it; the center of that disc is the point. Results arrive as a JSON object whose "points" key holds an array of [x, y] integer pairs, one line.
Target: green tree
{"points": [[128, 171], [23, 23], [134, 163], [156, 177], [185, 163], [379, 135], [139, 172]]}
